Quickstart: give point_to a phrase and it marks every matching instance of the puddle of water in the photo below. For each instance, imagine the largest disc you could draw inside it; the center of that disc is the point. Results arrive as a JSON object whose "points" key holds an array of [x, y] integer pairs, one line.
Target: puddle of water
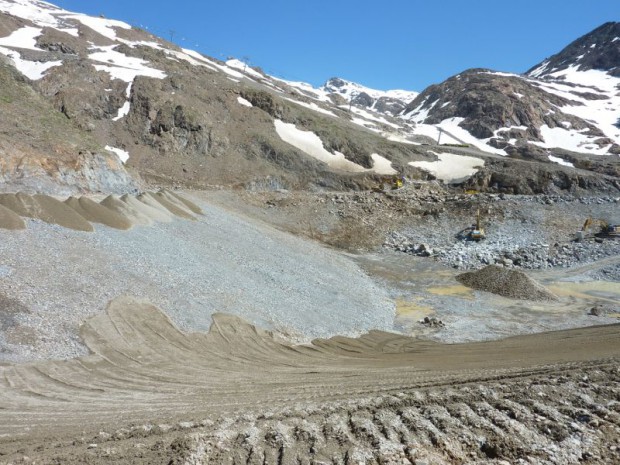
{"points": [[457, 290], [412, 310], [602, 290]]}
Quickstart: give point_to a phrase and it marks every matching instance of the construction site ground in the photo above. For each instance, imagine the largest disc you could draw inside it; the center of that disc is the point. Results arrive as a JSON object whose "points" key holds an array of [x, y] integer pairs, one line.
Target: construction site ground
{"points": [[144, 379]]}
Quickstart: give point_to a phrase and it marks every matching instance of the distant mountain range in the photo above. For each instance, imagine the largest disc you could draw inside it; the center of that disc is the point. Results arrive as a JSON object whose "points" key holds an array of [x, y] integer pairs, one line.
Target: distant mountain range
{"points": [[96, 105]]}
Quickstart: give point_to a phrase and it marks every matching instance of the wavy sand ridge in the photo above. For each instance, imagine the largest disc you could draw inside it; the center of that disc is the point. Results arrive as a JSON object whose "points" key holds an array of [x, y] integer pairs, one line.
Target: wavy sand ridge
{"points": [[143, 369], [78, 213]]}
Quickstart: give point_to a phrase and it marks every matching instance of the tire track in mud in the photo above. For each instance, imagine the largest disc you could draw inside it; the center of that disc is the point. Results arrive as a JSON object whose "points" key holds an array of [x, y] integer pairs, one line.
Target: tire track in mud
{"points": [[381, 396]]}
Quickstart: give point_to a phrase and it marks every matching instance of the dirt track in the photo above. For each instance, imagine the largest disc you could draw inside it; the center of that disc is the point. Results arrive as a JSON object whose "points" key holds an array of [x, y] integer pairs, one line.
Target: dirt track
{"points": [[144, 371]]}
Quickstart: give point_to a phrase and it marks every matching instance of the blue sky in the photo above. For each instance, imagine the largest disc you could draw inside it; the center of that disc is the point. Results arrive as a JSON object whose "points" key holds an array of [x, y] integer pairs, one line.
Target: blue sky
{"points": [[390, 44]]}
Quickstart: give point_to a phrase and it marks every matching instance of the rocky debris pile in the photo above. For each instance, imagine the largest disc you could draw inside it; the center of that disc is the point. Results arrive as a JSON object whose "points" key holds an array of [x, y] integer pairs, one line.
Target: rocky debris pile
{"points": [[78, 213], [535, 256], [432, 322], [508, 283], [607, 273], [603, 310]]}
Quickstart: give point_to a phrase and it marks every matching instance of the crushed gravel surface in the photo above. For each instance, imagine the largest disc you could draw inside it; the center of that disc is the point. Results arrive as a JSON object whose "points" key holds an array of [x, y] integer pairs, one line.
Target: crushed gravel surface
{"points": [[190, 269]]}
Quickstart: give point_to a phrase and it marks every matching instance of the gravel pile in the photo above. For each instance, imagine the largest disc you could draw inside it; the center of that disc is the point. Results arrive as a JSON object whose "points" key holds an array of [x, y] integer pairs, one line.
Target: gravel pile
{"points": [[508, 283], [527, 232]]}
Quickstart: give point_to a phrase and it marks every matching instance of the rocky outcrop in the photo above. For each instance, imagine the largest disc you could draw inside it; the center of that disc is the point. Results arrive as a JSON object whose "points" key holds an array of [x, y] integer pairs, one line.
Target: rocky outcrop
{"points": [[495, 106], [528, 178], [79, 173], [599, 49]]}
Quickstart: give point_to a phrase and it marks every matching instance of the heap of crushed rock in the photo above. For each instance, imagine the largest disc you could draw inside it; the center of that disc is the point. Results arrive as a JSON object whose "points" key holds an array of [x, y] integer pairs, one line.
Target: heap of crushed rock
{"points": [[505, 282], [79, 213]]}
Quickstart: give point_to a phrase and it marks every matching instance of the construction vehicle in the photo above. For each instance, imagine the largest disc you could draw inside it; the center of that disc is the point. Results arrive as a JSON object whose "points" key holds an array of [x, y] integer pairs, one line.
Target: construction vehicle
{"points": [[476, 232], [390, 183], [605, 230]]}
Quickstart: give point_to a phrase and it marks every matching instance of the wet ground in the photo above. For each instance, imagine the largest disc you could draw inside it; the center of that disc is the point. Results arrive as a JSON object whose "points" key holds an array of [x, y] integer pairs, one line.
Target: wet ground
{"points": [[422, 287]]}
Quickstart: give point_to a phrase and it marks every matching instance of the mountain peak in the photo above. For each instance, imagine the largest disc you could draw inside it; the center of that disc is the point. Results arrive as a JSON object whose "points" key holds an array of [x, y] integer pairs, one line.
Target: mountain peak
{"points": [[597, 50]]}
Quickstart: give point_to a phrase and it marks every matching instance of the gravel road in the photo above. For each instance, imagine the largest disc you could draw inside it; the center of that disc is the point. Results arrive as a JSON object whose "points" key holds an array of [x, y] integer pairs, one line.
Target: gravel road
{"points": [[190, 269]]}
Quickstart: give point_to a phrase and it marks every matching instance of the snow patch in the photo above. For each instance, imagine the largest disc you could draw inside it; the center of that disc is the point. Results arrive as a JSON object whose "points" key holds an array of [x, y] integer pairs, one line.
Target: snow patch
{"points": [[382, 165], [571, 140], [23, 38], [103, 26], [450, 167], [39, 13], [560, 161], [121, 66], [124, 110], [311, 144], [122, 154], [244, 102], [33, 70], [244, 67], [312, 106]]}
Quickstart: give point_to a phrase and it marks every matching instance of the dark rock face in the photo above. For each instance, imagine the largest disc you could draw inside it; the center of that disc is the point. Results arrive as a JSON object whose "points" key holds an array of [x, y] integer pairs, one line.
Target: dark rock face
{"points": [[599, 49], [511, 176], [489, 101]]}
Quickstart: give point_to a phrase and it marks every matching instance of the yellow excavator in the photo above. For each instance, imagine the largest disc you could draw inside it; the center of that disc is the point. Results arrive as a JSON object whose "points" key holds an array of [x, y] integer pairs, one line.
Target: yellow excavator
{"points": [[390, 183], [477, 231], [606, 230]]}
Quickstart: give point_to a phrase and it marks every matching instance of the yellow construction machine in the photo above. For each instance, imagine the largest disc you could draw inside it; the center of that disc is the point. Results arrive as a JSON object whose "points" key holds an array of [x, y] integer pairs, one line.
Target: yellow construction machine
{"points": [[390, 183], [477, 231], [605, 229]]}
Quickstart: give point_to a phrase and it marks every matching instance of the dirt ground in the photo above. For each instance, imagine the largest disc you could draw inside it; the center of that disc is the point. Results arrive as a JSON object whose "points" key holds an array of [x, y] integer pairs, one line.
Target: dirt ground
{"points": [[239, 392], [501, 382]]}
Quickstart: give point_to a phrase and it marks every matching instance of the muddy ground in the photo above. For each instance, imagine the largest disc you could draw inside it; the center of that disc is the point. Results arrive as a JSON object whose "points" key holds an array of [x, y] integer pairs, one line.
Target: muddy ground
{"points": [[496, 383]]}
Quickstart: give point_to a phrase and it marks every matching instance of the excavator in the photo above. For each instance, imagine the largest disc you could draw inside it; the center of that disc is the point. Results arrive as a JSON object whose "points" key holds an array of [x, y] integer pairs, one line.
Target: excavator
{"points": [[606, 230], [476, 232], [390, 183]]}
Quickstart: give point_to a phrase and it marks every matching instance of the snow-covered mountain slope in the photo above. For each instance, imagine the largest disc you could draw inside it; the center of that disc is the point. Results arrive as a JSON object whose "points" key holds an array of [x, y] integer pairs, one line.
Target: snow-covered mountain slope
{"points": [[597, 50], [162, 109], [570, 102], [390, 102], [175, 115]]}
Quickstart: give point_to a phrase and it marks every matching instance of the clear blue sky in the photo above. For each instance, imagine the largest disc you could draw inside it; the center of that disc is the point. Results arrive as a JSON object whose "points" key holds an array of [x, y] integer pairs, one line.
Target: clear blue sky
{"points": [[389, 44]]}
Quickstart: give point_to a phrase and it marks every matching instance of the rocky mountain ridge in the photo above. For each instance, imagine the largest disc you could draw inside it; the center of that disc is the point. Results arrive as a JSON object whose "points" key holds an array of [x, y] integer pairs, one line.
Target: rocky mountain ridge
{"points": [[143, 109], [597, 50]]}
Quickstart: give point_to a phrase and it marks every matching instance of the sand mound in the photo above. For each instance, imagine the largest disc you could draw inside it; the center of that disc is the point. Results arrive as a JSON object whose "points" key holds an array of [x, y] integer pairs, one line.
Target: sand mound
{"points": [[10, 220], [98, 213], [149, 207], [21, 204], [189, 204], [45, 208], [508, 283], [174, 206], [115, 204]]}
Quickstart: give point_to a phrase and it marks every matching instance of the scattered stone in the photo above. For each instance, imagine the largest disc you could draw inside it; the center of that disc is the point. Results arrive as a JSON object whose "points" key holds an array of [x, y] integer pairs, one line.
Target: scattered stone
{"points": [[432, 322]]}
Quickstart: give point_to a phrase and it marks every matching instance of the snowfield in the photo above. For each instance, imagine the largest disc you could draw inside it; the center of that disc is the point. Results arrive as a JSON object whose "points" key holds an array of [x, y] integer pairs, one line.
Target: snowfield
{"points": [[311, 144], [450, 168]]}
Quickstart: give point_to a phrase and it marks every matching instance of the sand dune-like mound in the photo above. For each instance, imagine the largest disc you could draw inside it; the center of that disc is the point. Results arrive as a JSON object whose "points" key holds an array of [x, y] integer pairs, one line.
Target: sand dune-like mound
{"points": [[45, 208], [188, 203], [152, 201], [97, 213], [505, 282], [114, 203], [148, 207], [174, 206], [77, 213], [19, 203], [10, 220]]}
